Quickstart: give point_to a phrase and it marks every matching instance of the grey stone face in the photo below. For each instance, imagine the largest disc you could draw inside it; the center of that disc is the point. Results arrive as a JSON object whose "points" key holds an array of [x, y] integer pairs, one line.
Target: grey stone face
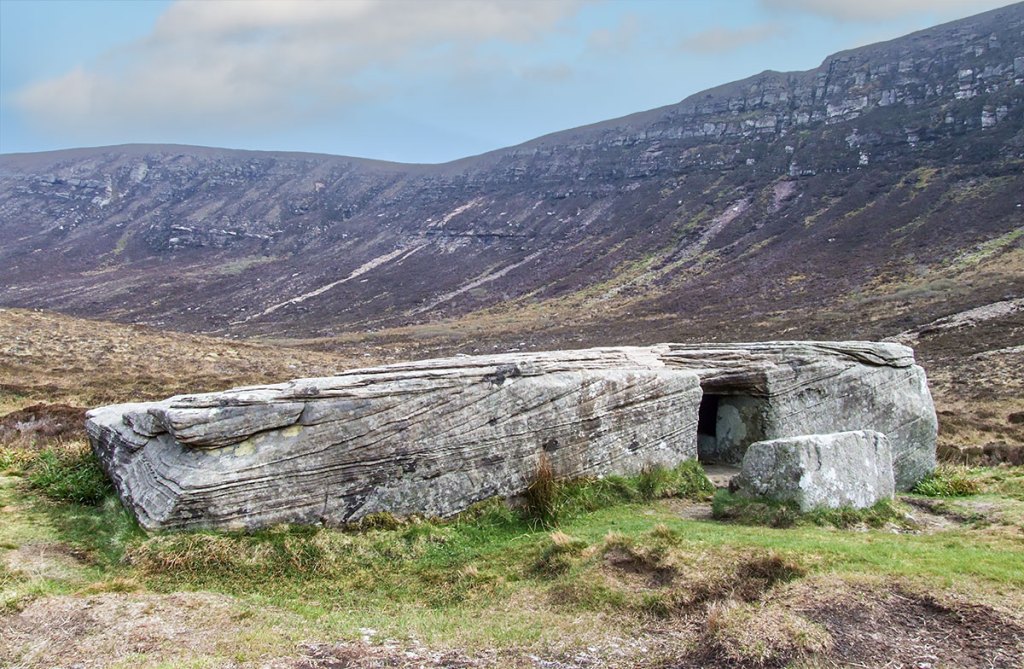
{"points": [[820, 470], [798, 388], [435, 436], [420, 439]]}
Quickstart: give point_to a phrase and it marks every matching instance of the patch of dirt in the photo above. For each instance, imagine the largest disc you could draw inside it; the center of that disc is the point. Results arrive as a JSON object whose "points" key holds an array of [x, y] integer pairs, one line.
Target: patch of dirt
{"points": [[697, 511], [899, 628], [207, 629], [689, 509], [362, 655], [933, 515], [648, 570], [875, 626], [871, 624], [721, 475], [937, 515], [98, 631], [43, 422], [45, 560], [643, 650], [757, 575], [689, 585]]}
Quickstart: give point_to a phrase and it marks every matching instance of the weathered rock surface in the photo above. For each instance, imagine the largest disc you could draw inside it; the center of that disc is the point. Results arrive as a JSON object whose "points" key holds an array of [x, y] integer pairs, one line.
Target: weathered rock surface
{"points": [[430, 438], [787, 389], [436, 436], [820, 470]]}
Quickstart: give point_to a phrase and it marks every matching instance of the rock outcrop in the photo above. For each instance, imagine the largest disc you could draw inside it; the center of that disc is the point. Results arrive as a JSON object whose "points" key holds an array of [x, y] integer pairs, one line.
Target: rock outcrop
{"points": [[772, 390], [429, 438], [435, 436], [816, 471]]}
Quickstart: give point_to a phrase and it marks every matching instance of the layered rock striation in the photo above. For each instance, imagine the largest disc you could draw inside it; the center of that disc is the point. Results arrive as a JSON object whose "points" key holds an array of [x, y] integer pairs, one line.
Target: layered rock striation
{"points": [[435, 436], [429, 438]]}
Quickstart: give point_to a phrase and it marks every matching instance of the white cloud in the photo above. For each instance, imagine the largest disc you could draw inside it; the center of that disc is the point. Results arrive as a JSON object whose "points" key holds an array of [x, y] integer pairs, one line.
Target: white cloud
{"points": [[721, 39], [617, 39], [230, 64], [880, 10]]}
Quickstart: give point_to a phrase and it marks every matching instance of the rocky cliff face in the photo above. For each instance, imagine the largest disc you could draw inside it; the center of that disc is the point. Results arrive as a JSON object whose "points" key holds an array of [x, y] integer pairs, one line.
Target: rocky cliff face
{"points": [[888, 162]]}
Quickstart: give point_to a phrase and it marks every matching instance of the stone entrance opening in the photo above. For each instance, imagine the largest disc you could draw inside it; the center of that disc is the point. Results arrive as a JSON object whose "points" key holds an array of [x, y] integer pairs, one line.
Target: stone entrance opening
{"points": [[726, 425], [707, 428]]}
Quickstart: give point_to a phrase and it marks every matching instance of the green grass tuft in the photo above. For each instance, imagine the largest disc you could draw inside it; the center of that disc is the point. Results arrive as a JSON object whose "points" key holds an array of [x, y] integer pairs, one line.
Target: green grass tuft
{"points": [[10, 589], [749, 511], [15, 460], [882, 513], [948, 481], [541, 497], [560, 555], [687, 480], [755, 511], [68, 475], [549, 501]]}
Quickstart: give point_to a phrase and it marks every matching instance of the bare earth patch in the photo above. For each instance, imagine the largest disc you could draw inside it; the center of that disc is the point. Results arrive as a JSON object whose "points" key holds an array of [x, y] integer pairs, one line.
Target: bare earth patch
{"points": [[363, 655], [819, 621], [44, 560], [692, 510], [929, 515], [842, 624], [895, 627], [645, 650], [212, 630], [110, 629]]}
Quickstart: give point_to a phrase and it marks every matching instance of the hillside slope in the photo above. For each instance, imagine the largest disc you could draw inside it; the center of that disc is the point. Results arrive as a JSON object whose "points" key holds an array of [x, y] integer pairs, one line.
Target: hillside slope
{"points": [[893, 167]]}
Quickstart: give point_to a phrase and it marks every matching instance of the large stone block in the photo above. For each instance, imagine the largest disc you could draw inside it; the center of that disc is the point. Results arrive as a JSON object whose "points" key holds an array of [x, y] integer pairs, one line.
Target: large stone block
{"points": [[852, 469], [434, 436], [430, 439], [771, 390]]}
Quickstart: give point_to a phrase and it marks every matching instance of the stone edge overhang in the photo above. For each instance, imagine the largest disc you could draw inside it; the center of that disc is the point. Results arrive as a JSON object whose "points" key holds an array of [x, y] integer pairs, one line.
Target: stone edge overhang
{"points": [[730, 367]]}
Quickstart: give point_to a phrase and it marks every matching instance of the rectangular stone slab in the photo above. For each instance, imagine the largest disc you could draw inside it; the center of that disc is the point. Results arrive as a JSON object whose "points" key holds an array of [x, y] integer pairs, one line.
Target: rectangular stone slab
{"points": [[429, 440]]}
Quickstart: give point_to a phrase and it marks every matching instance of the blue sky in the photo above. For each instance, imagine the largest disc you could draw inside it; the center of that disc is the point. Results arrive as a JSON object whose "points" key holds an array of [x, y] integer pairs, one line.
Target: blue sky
{"points": [[406, 80]]}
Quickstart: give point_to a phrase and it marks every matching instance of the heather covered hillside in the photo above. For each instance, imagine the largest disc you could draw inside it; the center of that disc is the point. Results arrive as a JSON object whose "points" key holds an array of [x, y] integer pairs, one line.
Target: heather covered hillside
{"points": [[890, 170]]}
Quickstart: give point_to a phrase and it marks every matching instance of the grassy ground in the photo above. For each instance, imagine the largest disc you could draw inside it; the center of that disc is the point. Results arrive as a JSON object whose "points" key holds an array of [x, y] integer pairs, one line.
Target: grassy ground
{"points": [[629, 572], [47, 357], [617, 573]]}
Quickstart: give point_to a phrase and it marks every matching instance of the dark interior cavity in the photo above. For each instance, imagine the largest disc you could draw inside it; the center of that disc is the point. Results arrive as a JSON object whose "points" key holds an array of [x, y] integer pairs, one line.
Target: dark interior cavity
{"points": [[707, 416]]}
